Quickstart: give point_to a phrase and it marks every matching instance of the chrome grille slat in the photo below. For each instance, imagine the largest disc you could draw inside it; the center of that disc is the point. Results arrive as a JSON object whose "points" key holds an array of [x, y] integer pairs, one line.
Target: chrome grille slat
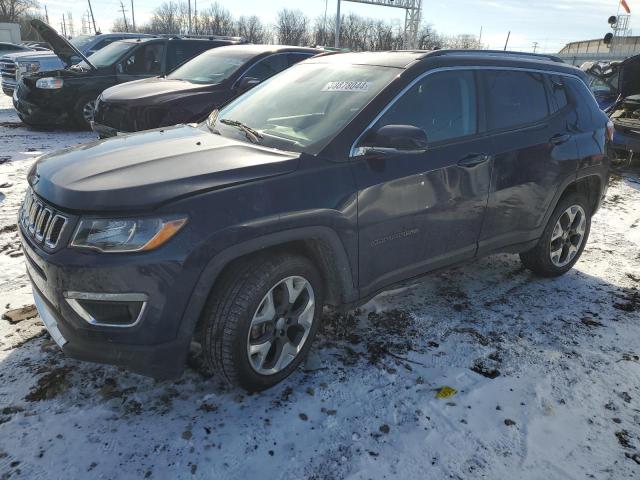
{"points": [[42, 222]]}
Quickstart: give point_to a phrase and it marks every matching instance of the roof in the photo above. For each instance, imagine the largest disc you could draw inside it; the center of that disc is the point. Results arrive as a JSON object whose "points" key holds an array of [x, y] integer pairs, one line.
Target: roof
{"points": [[260, 49], [397, 59]]}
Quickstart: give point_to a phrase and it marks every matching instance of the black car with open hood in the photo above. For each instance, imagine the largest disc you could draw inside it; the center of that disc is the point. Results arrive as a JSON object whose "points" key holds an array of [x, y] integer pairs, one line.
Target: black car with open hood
{"points": [[189, 93], [68, 96]]}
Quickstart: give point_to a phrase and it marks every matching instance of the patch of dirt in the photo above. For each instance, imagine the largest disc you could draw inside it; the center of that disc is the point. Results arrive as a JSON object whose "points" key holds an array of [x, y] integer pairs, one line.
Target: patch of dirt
{"points": [[50, 385]]}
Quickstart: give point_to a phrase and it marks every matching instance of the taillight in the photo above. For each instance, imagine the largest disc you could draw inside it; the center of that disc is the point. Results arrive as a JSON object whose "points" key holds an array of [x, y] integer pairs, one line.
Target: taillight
{"points": [[610, 131]]}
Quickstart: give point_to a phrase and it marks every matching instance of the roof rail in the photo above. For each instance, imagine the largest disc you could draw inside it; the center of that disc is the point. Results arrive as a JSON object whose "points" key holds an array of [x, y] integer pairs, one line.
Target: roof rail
{"points": [[204, 37], [495, 53]]}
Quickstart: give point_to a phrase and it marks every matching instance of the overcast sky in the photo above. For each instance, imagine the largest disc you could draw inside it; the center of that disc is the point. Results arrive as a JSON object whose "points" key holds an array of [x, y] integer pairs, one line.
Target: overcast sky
{"points": [[550, 23]]}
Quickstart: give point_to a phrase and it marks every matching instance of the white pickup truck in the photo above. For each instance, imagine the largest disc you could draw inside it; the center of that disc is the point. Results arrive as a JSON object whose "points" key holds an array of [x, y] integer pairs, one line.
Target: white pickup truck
{"points": [[14, 65]]}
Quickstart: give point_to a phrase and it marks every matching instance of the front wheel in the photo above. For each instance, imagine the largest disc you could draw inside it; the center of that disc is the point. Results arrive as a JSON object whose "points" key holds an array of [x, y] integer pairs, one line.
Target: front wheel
{"points": [[84, 110], [261, 319], [563, 239]]}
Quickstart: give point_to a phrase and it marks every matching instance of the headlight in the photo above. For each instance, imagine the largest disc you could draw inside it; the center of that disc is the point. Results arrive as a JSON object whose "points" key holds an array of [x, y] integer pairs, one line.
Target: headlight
{"points": [[49, 83], [26, 68], [126, 234]]}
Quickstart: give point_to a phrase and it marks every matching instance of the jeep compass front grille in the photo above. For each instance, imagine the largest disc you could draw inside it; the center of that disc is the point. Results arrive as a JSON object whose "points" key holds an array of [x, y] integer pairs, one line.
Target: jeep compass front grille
{"points": [[40, 221]]}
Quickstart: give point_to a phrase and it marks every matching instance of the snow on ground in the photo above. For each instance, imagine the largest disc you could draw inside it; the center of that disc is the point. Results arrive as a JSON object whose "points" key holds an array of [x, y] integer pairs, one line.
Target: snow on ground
{"points": [[547, 374]]}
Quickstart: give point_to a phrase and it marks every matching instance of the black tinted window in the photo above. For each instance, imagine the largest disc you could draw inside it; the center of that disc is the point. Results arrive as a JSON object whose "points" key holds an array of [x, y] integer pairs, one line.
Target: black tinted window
{"points": [[559, 91], [586, 109], [267, 67], [298, 57], [442, 104], [181, 51], [515, 98]]}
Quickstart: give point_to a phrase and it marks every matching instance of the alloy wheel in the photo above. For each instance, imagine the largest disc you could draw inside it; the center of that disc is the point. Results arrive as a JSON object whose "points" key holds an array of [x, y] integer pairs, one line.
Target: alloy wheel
{"points": [[281, 325], [567, 236], [88, 110]]}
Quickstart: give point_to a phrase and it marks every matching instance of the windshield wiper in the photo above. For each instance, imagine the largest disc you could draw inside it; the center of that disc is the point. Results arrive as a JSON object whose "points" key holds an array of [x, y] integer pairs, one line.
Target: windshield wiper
{"points": [[252, 135]]}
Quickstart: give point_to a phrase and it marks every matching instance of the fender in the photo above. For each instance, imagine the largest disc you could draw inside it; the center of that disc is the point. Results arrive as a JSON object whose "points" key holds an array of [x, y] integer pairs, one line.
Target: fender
{"points": [[213, 268]]}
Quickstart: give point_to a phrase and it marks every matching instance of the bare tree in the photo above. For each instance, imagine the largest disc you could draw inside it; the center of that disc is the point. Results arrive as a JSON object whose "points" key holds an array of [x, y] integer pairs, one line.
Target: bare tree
{"points": [[12, 10], [292, 27], [216, 20], [166, 18], [252, 29], [464, 41]]}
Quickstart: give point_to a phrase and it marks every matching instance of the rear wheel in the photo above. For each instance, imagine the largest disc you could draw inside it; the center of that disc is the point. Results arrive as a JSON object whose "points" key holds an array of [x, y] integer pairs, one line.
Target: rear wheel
{"points": [[261, 319], [84, 110], [563, 239]]}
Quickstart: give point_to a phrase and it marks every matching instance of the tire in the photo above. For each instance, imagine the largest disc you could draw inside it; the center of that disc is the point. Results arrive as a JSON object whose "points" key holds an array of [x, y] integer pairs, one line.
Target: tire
{"points": [[80, 116], [543, 259], [244, 297]]}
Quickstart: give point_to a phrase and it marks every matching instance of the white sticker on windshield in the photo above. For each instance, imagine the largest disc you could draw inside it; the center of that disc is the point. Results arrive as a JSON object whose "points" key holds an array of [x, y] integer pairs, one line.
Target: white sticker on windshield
{"points": [[346, 86]]}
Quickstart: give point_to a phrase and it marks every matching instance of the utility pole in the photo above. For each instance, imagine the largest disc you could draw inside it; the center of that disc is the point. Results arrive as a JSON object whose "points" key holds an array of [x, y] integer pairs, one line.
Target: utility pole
{"points": [[189, 28], [535, 47], [133, 17], [337, 42], [124, 17], [93, 20], [507, 42], [46, 14], [480, 37], [195, 16], [64, 26]]}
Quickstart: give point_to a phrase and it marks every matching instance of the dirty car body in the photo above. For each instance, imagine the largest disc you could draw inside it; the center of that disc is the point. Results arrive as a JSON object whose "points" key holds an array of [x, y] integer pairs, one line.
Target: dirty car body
{"points": [[326, 173]]}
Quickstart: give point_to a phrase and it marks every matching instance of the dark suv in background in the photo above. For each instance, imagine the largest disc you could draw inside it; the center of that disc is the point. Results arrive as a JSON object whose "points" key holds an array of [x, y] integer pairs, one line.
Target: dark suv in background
{"points": [[192, 91], [329, 182], [68, 96]]}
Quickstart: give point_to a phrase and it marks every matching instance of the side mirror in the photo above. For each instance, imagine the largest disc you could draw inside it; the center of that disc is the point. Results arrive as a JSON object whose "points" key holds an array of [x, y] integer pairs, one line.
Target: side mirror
{"points": [[397, 138], [247, 83]]}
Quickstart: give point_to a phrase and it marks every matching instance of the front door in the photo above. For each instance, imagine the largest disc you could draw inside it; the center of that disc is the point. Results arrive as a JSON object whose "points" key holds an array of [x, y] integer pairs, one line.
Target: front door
{"points": [[419, 211], [148, 60]]}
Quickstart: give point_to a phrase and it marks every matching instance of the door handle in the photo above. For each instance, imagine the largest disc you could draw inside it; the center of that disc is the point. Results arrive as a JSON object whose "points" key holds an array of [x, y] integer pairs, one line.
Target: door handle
{"points": [[560, 139], [473, 160]]}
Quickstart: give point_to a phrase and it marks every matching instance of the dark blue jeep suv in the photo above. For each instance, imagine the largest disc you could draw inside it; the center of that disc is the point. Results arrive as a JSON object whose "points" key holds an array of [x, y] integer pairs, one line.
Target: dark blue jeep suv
{"points": [[324, 185]]}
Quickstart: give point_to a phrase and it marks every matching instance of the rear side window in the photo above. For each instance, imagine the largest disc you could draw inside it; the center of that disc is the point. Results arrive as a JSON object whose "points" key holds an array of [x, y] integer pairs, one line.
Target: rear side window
{"points": [[515, 98], [181, 51], [268, 67], [298, 57], [558, 91], [442, 104]]}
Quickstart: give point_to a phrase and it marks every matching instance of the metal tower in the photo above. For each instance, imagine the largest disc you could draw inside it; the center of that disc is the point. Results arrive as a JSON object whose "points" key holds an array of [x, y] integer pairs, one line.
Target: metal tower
{"points": [[412, 17]]}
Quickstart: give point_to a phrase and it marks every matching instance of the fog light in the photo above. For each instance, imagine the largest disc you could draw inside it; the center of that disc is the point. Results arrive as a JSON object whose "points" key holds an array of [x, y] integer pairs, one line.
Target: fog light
{"points": [[108, 309]]}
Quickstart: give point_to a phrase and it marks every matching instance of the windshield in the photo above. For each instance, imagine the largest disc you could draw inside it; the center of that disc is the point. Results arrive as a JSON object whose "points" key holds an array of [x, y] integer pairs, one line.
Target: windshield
{"points": [[80, 41], [108, 55], [304, 107], [213, 66]]}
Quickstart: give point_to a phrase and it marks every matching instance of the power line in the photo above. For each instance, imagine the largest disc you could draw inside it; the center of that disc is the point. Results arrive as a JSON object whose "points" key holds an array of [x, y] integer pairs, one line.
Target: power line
{"points": [[124, 17]]}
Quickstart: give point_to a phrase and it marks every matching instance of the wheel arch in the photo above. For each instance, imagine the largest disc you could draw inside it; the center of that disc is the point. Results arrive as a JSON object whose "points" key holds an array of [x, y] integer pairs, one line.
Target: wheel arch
{"points": [[590, 186], [320, 244]]}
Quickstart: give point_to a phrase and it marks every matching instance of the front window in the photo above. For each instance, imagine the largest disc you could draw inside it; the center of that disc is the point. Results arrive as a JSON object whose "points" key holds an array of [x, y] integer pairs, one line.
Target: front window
{"points": [[211, 67], [108, 55], [304, 107], [598, 86]]}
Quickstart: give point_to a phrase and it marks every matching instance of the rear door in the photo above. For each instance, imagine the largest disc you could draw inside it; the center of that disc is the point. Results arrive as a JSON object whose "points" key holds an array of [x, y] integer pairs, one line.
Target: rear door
{"points": [[534, 152], [418, 211]]}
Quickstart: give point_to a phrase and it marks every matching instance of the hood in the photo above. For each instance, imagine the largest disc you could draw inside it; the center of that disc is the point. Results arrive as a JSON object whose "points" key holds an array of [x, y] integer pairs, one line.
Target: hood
{"points": [[623, 77], [142, 171], [60, 46], [140, 91], [29, 54]]}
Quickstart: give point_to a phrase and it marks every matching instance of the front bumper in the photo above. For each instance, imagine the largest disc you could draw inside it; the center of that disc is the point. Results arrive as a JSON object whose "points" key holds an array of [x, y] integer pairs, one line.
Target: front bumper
{"points": [[48, 111], [154, 346]]}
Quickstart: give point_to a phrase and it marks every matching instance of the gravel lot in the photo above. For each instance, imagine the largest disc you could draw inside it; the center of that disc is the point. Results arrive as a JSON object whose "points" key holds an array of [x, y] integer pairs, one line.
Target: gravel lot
{"points": [[546, 375]]}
